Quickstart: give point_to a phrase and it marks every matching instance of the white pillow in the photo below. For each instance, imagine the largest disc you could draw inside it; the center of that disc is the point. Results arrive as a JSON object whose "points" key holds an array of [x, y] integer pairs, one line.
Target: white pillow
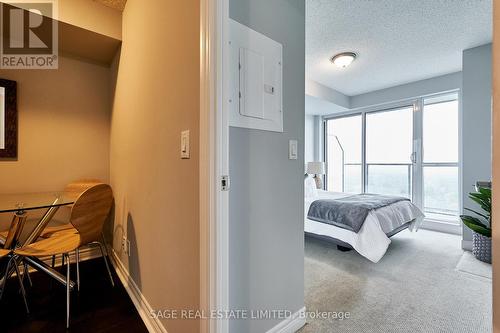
{"points": [[310, 190]]}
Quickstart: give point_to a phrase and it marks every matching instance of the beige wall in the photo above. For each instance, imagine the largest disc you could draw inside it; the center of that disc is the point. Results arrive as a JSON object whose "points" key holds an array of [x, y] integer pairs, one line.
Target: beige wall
{"points": [[156, 193], [64, 121], [496, 167]]}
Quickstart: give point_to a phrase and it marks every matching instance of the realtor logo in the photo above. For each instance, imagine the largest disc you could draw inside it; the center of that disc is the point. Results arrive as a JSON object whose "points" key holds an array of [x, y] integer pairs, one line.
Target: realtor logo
{"points": [[29, 35]]}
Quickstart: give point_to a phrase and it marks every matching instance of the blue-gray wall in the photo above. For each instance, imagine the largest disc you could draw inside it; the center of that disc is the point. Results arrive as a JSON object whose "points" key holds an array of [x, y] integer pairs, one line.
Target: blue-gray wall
{"points": [[310, 139], [266, 197], [476, 120]]}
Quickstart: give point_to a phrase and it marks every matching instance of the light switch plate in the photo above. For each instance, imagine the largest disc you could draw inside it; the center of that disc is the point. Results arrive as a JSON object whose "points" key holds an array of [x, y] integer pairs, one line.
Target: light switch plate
{"points": [[293, 149], [185, 147]]}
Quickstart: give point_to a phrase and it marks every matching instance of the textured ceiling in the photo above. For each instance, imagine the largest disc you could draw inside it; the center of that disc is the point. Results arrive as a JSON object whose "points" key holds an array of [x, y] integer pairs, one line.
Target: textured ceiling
{"points": [[116, 4], [397, 41]]}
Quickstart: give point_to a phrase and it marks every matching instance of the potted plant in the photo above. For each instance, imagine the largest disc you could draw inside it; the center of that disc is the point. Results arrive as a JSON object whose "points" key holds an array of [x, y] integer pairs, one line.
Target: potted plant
{"points": [[480, 225]]}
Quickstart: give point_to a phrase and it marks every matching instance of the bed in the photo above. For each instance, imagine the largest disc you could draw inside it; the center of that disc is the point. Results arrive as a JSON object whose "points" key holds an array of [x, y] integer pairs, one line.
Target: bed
{"points": [[372, 239]]}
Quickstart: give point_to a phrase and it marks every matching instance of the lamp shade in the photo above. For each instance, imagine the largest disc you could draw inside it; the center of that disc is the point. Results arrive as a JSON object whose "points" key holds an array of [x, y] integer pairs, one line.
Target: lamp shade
{"points": [[316, 168]]}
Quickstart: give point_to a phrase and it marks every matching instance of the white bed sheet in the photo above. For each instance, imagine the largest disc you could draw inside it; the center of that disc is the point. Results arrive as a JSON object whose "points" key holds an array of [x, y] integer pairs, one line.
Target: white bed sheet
{"points": [[371, 241]]}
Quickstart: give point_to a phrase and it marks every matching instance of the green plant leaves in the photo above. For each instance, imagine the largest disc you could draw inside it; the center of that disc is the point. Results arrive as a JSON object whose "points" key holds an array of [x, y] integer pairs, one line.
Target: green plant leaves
{"points": [[483, 198], [476, 225], [485, 191], [478, 213]]}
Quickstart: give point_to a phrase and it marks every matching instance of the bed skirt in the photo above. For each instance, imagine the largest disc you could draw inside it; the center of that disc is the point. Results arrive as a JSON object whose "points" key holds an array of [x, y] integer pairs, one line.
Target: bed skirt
{"points": [[340, 243]]}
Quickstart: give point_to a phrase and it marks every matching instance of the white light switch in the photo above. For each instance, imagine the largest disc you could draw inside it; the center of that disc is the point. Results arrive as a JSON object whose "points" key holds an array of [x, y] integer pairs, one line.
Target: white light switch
{"points": [[185, 149], [292, 149]]}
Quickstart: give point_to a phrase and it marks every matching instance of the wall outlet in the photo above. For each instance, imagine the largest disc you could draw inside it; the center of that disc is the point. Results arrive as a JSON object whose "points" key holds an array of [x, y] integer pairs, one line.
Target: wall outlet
{"points": [[125, 245]]}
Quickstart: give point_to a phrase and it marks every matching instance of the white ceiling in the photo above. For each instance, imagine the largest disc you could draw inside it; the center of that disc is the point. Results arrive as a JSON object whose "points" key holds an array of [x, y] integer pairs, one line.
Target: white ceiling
{"points": [[397, 41]]}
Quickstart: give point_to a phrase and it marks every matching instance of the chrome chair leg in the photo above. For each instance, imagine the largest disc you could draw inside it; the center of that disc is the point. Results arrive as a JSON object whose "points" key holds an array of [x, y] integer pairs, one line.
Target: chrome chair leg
{"points": [[77, 258], [6, 277], [27, 273], [20, 279], [53, 265], [101, 246], [68, 289]]}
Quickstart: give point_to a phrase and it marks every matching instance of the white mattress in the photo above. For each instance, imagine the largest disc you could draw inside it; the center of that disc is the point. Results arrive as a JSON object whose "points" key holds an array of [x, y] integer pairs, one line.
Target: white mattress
{"points": [[371, 241]]}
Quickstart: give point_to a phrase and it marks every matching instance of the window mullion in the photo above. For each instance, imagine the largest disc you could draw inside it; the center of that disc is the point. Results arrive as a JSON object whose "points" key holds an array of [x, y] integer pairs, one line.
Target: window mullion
{"points": [[364, 168]]}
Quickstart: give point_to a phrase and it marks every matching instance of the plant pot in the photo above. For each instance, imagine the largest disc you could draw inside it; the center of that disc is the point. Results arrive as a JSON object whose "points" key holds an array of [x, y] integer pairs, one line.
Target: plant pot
{"points": [[481, 247]]}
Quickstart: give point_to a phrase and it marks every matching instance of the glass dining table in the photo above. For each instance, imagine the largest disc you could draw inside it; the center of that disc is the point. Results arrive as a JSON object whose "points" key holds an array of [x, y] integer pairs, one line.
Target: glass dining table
{"points": [[20, 205]]}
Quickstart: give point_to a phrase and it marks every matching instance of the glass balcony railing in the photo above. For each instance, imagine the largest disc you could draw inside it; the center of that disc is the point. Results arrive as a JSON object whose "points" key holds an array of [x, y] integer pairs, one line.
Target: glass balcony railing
{"points": [[382, 178], [441, 191]]}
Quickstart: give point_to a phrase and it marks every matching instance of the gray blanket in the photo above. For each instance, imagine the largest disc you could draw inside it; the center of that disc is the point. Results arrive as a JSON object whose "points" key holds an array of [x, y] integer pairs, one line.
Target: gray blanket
{"points": [[350, 212]]}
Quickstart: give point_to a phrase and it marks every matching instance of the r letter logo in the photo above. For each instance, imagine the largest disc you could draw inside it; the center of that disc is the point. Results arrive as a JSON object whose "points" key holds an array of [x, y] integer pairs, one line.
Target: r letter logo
{"points": [[29, 35]]}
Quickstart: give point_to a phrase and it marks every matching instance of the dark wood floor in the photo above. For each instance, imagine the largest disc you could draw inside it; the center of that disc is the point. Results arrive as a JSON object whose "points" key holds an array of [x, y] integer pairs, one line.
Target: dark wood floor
{"points": [[96, 308]]}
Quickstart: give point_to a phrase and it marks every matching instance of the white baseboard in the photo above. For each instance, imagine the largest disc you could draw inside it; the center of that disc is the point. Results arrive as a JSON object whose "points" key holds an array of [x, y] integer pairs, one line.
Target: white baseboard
{"points": [[292, 324], [141, 304], [467, 245], [449, 228]]}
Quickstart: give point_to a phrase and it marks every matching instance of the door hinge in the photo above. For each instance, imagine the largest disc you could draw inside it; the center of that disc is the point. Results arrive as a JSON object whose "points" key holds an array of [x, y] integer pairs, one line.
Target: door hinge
{"points": [[225, 183]]}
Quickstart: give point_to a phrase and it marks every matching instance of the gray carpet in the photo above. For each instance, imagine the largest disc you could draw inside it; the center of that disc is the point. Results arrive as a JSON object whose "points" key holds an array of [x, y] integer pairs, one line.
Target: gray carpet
{"points": [[414, 288], [478, 269]]}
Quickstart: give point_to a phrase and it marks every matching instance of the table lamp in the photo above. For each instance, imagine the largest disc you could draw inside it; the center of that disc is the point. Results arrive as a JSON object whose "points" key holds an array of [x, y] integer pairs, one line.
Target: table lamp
{"points": [[316, 169]]}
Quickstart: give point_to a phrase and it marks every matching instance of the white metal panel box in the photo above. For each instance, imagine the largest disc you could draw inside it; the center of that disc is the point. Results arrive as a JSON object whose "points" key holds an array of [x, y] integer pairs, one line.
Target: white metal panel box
{"points": [[255, 89]]}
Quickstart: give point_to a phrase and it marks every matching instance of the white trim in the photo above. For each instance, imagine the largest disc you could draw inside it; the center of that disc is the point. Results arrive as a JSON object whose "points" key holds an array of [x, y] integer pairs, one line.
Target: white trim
{"points": [[292, 324], [467, 245], [141, 304], [221, 237], [206, 166], [449, 228], [214, 163]]}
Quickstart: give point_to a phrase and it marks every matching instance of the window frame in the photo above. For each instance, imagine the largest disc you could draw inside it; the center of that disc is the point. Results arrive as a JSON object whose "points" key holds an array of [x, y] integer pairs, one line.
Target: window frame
{"points": [[457, 164], [418, 104], [325, 148]]}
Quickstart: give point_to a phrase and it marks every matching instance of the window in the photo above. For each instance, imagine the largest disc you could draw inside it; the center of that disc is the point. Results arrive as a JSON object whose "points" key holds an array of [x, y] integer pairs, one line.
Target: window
{"points": [[440, 156], [399, 151], [344, 151], [389, 145]]}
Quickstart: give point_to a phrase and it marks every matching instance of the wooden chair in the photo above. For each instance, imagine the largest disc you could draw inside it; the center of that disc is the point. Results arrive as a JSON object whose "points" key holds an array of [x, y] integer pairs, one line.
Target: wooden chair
{"points": [[87, 217], [75, 189]]}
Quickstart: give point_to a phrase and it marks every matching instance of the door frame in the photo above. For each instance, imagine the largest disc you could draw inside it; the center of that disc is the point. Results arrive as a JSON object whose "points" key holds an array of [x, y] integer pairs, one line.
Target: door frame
{"points": [[213, 164]]}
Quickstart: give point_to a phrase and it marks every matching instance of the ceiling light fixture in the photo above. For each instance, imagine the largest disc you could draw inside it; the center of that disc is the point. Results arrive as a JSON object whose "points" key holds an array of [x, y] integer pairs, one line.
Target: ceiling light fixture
{"points": [[344, 59]]}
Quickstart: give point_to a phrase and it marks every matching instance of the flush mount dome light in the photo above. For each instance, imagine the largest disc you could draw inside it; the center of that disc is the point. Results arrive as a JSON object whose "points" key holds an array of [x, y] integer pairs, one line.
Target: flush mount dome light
{"points": [[344, 59]]}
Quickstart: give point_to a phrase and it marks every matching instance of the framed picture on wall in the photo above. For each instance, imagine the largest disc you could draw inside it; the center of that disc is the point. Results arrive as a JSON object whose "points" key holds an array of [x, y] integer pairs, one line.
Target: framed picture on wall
{"points": [[8, 119]]}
